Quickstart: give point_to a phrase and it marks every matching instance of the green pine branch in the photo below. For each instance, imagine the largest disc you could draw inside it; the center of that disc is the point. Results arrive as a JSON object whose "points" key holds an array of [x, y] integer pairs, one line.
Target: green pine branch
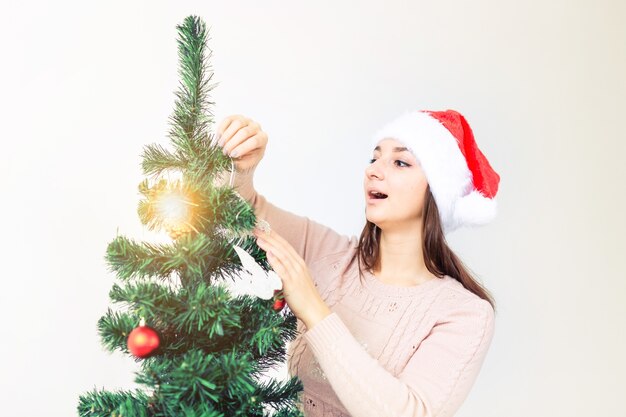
{"points": [[194, 318], [196, 258], [114, 327], [157, 160], [210, 207], [197, 377], [280, 394], [122, 403]]}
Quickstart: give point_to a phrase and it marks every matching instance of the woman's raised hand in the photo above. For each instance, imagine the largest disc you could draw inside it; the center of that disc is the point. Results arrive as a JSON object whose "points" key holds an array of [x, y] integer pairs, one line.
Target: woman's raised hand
{"points": [[242, 139]]}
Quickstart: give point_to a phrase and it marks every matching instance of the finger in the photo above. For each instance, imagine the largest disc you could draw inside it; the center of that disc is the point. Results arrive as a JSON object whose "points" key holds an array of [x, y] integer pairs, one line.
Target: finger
{"points": [[278, 266], [251, 145], [227, 120], [281, 243], [235, 123], [279, 254], [224, 124], [289, 259], [241, 136]]}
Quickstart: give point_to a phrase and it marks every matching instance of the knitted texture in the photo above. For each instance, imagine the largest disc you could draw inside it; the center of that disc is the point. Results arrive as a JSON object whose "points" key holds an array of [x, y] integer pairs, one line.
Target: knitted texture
{"points": [[385, 350]]}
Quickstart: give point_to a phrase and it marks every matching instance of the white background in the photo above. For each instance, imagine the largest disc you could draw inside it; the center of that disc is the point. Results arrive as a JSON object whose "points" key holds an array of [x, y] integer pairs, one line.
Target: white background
{"points": [[85, 86]]}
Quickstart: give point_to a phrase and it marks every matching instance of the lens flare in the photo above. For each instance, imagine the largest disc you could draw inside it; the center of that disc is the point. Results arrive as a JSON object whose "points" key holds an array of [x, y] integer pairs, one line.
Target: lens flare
{"points": [[173, 207]]}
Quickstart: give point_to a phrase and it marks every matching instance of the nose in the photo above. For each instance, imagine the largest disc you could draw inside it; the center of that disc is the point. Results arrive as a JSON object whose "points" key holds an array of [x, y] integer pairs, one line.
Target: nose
{"points": [[373, 170]]}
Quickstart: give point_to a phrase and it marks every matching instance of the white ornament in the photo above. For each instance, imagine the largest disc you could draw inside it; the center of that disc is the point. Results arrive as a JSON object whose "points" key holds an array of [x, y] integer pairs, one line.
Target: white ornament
{"points": [[254, 280]]}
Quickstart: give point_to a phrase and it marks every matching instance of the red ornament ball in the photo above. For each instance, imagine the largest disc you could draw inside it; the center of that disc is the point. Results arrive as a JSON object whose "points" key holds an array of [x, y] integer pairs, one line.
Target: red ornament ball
{"points": [[143, 341], [279, 302]]}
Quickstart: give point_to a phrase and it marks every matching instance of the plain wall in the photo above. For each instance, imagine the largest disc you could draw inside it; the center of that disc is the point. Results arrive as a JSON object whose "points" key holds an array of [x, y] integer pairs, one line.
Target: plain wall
{"points": [[85, 86]]}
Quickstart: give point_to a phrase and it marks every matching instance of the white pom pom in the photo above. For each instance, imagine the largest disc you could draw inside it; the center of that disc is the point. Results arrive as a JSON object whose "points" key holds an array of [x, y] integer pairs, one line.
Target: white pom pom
{"points": [[473, 209]]}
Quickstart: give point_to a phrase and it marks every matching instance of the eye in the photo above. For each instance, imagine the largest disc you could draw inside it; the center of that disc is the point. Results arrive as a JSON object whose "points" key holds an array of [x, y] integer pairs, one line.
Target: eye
{"points": [[397, 160]]}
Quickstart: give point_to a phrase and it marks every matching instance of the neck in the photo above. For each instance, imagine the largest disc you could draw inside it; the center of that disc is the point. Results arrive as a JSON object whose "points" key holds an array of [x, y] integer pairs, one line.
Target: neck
{"points": [[401, 258]]}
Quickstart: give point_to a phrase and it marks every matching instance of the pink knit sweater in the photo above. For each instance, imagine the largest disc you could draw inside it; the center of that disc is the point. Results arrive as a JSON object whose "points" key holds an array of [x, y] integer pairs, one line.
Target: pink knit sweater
{"points": [[385, 350]]}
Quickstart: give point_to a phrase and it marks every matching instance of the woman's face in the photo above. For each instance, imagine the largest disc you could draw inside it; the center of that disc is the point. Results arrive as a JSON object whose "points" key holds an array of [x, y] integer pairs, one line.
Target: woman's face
{"points": [[398, 174]]}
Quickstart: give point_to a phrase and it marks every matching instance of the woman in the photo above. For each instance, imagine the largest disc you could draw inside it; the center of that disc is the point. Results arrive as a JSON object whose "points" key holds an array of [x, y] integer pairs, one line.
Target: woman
{"points": [[392, 323]]}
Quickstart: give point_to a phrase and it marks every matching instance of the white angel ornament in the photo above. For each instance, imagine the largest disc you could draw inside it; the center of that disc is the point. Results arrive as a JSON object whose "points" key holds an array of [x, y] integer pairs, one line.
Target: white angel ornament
{"points": [[254, 280]]}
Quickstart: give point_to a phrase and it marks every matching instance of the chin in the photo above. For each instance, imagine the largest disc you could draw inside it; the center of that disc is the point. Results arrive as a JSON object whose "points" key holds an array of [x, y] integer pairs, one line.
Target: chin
{"points": [[373, 219]]}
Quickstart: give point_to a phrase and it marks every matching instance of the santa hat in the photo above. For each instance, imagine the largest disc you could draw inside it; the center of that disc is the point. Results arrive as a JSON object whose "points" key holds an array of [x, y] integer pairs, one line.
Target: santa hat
{"points": [[460, 178]]}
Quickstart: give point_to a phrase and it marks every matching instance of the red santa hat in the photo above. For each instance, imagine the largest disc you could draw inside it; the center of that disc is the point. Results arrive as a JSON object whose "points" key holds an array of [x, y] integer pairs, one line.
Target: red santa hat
{"points": [[461, 179]]}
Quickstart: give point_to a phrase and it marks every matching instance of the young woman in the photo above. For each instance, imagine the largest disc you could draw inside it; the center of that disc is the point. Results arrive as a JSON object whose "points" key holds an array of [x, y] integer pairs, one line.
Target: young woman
{"points": [[390, 324]]}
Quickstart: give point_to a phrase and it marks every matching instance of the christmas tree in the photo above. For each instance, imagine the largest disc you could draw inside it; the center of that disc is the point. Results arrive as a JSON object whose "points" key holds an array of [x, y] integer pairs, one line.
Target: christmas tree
{"points": [[202, 313]]}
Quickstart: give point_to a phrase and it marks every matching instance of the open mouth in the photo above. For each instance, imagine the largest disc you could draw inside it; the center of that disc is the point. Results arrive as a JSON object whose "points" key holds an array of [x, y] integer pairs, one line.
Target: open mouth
{"points": [[375, 195]]}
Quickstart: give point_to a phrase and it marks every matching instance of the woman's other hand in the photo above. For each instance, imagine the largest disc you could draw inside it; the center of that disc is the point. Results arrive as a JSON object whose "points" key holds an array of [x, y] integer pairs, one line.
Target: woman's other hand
{"points": [[299, 289]]}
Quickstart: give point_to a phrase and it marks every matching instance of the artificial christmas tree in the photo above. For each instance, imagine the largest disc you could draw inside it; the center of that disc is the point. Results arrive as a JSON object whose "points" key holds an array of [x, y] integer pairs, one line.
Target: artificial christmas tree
{"points": [[203, 338]]}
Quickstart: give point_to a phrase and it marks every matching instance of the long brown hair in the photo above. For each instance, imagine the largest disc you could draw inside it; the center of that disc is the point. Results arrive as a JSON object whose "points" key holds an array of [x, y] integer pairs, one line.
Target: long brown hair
{"points": [[438, 257]]}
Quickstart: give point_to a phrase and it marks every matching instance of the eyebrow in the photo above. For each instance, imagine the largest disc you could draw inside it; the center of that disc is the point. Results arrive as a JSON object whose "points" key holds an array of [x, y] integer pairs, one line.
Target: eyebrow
{"points": [[395, 149]]}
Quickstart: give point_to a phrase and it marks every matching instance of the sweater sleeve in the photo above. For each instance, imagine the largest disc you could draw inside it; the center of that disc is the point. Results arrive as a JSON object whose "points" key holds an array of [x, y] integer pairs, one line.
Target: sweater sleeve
{"points": [[310, 239], [436, 380]]}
